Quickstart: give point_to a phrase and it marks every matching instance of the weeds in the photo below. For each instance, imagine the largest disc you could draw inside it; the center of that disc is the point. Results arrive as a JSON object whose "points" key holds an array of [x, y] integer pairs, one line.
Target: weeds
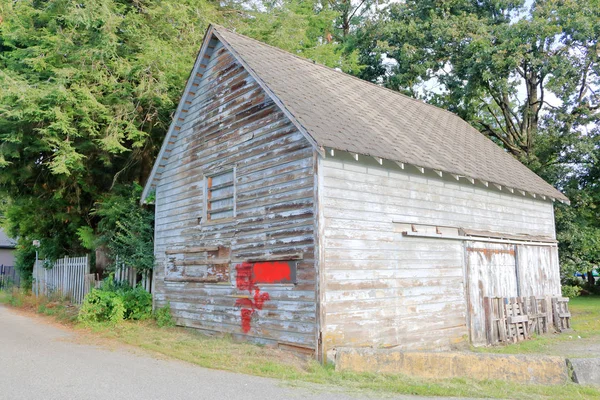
{"points": [[163, 316], [55, 305]]}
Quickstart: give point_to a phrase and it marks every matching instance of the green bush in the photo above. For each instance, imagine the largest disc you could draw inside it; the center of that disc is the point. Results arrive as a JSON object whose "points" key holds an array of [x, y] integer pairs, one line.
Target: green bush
{"points": [[138, 303], [115, 301], [101, 306], [570, 291], [163, 316]]}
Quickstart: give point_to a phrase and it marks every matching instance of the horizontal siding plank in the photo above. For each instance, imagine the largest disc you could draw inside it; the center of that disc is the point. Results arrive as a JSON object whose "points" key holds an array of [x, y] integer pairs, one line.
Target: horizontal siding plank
{"points": [[384, 289]]}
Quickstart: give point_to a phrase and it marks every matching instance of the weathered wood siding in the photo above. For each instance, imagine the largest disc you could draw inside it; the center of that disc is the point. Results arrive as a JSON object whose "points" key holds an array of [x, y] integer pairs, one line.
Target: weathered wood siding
{"points": [[381, 288], [539, 272], [231, 122], [492, 272]]}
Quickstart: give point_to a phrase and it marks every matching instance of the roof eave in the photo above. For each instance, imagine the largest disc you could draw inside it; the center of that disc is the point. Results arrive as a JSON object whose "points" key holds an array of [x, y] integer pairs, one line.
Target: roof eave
{"points": [[558, 196]]}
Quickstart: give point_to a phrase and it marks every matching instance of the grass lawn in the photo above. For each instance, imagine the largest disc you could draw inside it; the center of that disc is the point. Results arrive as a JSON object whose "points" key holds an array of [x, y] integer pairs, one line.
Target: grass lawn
{"points": [[225, 354]]}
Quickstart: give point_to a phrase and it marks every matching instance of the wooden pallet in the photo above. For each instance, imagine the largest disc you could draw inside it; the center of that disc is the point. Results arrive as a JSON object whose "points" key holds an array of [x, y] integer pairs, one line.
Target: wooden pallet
{"points": [[514, 319], [561, 314]]}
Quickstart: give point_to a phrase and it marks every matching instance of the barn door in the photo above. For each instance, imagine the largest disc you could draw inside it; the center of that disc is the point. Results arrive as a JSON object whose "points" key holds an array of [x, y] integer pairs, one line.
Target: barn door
{"points": [[539, 273], [491, 272]]}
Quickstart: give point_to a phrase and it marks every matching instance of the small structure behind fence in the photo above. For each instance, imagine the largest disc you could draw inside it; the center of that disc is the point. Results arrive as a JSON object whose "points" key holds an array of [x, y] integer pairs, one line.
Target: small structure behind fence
{"points": [[514, 319], [70, 277], [9, 277], [123, 273], [66, 277]]}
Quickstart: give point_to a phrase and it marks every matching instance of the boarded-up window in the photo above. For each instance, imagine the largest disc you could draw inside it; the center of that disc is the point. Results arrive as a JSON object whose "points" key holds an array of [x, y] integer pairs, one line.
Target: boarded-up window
{"points": [[220, 195]]}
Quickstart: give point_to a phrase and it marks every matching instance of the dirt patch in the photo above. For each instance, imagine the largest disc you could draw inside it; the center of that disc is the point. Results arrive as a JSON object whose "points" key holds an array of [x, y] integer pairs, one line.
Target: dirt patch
{"points": [[576, 347]]}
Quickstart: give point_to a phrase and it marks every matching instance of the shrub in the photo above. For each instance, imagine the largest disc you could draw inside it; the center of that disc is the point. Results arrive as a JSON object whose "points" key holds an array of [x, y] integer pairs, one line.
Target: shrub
{"points": [[138, 303], [163, 316], [113, 302], [570, 291], [101, 306], [125, 227], [573, 281]]}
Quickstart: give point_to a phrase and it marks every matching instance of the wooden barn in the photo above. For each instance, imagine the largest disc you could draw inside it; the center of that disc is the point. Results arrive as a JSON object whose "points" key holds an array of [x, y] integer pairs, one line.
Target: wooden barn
{"points": [[300, 207]]}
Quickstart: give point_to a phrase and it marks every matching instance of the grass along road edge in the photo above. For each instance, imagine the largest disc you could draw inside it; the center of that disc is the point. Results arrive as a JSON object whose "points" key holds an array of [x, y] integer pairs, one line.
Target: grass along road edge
{"points": [[223, 353]]}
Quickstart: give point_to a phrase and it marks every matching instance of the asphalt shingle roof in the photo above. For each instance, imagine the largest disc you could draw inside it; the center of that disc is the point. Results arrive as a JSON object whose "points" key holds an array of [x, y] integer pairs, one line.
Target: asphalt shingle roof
{"points": [[6, 242], [349, 114]]}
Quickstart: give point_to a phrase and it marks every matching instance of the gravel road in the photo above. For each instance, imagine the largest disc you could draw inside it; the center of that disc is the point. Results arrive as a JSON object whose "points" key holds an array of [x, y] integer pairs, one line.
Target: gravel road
{"points": [[41, 361]]}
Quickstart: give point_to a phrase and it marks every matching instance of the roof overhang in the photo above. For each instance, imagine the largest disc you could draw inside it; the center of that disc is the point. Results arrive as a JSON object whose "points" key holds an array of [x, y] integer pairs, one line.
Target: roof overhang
{"points": [[331, 152]]}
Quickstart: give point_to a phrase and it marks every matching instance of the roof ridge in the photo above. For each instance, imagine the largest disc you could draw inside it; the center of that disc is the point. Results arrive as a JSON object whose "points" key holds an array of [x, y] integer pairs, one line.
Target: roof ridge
{"points": [[362, 81]]}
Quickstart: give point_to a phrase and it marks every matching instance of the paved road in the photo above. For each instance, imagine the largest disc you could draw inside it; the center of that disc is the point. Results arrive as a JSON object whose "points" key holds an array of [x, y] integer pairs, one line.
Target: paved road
{"points": [[41, 361]]}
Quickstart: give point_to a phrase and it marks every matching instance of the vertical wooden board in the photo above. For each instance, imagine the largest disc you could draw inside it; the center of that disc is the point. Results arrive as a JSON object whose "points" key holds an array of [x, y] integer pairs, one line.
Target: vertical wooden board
{"points": [[491, 272], [488, 313], [539, 272]]}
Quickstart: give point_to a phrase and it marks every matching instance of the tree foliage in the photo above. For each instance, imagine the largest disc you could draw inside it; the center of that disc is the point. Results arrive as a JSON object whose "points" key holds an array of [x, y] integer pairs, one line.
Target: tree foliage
{"points": [[323, 31], [125, 228], [496, 63], [89, 87]]}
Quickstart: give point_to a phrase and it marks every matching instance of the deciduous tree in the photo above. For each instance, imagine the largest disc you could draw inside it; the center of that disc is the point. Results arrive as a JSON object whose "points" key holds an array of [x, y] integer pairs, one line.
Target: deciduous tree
{"points": [[88, 88]]}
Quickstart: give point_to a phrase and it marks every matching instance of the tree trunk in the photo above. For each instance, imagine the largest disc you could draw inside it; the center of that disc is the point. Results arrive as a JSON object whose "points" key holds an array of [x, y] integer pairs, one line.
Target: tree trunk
{"points": [[590, 278]]}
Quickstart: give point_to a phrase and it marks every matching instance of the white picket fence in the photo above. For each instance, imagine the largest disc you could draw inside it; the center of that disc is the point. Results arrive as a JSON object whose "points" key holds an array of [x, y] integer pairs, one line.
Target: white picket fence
{"points": [[66, 278]]}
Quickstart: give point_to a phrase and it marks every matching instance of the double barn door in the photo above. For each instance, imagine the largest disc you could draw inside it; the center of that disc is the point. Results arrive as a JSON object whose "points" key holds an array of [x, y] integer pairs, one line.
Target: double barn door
{"points": [[506, 270]]}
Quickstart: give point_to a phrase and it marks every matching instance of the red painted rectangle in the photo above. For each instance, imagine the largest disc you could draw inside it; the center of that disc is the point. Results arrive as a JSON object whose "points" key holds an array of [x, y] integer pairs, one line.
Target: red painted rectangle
{"points": [[273, 272]]}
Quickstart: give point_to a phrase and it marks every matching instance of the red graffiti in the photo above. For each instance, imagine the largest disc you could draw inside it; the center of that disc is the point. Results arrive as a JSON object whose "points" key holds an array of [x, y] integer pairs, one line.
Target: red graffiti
{"points": [[248, 275], [244, 279], [272, 272], [246, 317], [249, 307], [257, 304]]}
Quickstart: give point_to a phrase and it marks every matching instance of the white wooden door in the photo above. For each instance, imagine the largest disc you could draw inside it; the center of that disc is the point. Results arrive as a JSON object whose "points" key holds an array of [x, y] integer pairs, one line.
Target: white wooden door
{"points": [[491, 272], [539, 273]]}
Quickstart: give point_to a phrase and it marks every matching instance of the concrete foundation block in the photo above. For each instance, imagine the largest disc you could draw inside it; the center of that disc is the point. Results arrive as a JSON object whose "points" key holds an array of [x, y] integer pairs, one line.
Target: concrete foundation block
{"points": [[507, 367], [585, 371]]}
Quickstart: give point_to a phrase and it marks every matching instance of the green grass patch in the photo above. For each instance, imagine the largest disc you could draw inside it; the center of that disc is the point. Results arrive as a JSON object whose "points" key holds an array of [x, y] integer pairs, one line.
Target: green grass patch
{"points": [[4, 297], [223, 353], [586, 315], [54, 306]]}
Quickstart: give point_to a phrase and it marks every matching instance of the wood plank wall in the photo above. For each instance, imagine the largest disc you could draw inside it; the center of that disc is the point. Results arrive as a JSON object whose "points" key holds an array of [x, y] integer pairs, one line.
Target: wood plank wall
{"points": [[383, 289], [539, 272], [491, 272], [232, 122]]}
